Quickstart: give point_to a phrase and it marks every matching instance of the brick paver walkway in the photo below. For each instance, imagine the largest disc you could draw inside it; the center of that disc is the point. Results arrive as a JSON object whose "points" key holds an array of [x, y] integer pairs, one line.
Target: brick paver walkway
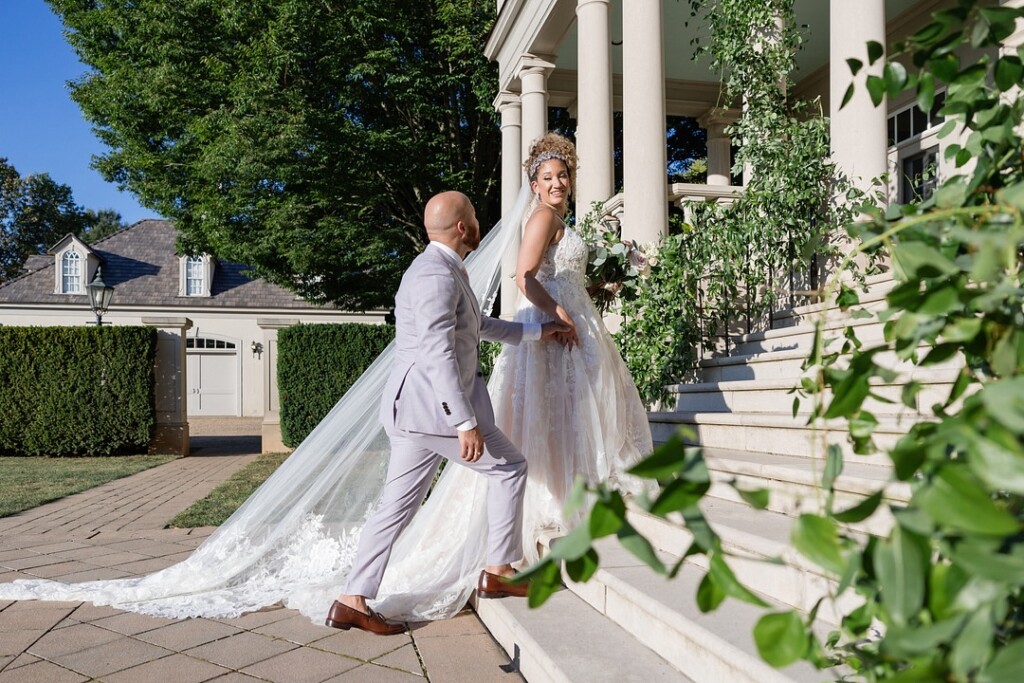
{"points": [[116, 530]]}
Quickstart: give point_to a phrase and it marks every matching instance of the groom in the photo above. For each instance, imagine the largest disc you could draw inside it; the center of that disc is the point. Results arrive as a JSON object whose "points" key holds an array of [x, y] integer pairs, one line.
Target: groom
{"points": [[435, 405]]}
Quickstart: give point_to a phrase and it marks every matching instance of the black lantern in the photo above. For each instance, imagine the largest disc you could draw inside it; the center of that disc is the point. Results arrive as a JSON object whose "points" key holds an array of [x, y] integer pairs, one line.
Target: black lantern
{"points": [[100, 294]]}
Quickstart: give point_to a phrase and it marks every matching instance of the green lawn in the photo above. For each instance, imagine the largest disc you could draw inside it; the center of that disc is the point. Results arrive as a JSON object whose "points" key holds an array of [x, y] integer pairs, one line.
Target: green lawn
{"points": [[28, 482], [225, 499]]}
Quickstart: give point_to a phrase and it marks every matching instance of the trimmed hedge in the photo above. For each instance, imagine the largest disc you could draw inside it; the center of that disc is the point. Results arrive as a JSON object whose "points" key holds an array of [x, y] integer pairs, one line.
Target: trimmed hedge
{"points": [[67, 391], [316, 365]]}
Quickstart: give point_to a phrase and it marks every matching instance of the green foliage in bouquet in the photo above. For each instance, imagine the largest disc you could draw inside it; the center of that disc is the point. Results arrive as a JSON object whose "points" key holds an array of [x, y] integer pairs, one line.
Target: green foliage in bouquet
{"points": [[614, 266]]}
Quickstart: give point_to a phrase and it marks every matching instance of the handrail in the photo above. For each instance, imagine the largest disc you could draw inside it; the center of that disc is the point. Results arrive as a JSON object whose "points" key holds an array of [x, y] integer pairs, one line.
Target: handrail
{"points": [[681, 194]]}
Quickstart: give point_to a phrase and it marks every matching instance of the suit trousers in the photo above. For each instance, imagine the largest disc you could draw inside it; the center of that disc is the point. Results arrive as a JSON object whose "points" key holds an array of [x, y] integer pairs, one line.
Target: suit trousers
{"points": [[413, 464]]}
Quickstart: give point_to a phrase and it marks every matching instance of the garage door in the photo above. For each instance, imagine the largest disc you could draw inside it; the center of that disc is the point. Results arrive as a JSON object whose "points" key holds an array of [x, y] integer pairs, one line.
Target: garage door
{"points": [[212, 376]]}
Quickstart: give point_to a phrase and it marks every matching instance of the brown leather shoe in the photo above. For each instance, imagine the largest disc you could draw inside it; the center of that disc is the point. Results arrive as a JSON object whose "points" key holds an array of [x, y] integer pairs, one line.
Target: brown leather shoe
{"points": [[497, 586], [344, 617]]}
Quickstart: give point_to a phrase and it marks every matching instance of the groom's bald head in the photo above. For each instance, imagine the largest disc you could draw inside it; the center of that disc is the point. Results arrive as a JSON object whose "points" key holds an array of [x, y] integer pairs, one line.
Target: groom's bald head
{"points": [[450, 218]]}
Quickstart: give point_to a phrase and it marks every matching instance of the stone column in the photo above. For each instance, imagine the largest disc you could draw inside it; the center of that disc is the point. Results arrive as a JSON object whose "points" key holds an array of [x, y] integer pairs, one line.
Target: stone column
{"points": [[715, 122], [594, 138], [170, 434], [645, 166], [511, 110], [272, 441], [858, 130], [533, 77]]}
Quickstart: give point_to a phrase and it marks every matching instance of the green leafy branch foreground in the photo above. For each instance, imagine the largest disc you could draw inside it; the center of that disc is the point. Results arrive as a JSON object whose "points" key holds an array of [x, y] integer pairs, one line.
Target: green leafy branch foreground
{"points": [[940, 596]]}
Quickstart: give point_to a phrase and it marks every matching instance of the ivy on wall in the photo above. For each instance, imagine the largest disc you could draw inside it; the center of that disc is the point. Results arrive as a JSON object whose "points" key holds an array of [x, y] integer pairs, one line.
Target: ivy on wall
{"points": [[732, 264]]}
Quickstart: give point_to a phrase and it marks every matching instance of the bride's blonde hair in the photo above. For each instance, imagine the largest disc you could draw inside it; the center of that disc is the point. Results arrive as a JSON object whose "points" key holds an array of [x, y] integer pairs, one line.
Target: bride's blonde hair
{"points": [[551, 146]]}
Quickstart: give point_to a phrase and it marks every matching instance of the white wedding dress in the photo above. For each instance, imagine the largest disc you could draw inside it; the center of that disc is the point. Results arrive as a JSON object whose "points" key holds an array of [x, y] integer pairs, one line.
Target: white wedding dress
{"points": [[293, 541], [572, 413]]}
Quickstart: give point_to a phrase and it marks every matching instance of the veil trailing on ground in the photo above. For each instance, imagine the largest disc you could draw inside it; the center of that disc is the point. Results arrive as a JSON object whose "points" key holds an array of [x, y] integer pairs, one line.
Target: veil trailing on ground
{"points": [[294, 539]]}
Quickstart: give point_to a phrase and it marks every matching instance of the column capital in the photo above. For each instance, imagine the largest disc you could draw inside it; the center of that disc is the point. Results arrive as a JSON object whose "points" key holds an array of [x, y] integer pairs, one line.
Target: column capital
{"points": [[181, 323], [534, 64], [507, 99], [583, 3], [715, 120]]}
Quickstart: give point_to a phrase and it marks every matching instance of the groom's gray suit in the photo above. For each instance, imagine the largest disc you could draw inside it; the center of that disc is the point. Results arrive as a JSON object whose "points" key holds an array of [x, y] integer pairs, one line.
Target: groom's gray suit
{"points": [[435, 386]]}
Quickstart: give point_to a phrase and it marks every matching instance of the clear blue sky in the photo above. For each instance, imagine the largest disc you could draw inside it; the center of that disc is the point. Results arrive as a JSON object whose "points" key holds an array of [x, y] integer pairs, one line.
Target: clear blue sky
{"points": [[41, 129]]}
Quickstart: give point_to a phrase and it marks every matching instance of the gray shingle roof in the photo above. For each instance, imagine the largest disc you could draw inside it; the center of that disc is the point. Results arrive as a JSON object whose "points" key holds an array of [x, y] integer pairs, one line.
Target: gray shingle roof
{"points": [[140, 262]]}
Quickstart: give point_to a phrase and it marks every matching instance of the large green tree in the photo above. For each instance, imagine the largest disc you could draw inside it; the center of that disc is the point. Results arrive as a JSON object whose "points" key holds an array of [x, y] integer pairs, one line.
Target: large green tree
{"points": [[302, 137], [35, 213], [101, 223]]}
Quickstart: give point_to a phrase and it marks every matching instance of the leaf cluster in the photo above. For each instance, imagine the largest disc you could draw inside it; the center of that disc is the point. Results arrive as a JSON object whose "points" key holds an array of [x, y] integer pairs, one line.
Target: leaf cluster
{"points": [[615, 267], [947, 582]]}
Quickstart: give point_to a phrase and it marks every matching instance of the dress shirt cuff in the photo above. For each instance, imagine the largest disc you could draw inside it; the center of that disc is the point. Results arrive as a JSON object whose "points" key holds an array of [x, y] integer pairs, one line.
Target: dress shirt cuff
{"points": [[532, 331], [468, 424]]}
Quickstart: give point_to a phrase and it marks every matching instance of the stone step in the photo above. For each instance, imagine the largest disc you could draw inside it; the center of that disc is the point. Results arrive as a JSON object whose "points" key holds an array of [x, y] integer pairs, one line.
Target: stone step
{"points": [[778, 433], [868, 331], [663, 614], [771, 395], [794, 484], [567, 641], [761, 554], [771, 365], [878, 287], [788, 364]]}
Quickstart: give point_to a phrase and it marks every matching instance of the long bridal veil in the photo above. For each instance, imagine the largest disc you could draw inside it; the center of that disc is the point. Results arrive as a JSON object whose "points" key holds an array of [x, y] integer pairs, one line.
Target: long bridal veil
{"points": [[293, 540]]}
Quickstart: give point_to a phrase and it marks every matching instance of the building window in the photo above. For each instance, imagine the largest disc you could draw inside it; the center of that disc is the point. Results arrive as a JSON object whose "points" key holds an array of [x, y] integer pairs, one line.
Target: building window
{"points": [[918, 175], [206, 343], [911, 122], [195, 277], [71, 272]]}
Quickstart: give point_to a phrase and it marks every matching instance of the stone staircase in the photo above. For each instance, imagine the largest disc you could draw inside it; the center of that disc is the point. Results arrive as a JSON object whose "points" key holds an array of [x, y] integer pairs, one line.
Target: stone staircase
{"points": [[629, 624]]}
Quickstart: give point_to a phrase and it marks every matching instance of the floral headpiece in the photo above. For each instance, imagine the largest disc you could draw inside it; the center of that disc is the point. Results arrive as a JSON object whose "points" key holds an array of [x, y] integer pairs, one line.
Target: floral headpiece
{"points": [[541, 158]]}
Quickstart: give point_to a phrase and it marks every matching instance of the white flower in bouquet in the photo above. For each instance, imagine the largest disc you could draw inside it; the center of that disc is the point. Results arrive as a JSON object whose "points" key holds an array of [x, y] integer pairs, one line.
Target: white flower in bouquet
{"points": [[639, 262]]}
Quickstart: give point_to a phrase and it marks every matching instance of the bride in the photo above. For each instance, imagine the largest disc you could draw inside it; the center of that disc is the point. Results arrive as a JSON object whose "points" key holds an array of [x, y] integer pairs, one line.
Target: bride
{"points": [[571, 411]]}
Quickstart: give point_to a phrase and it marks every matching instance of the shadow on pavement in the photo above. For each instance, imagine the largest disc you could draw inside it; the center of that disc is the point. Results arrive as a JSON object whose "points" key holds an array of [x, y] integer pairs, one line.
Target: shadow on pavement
{"points": [[239, 444]]}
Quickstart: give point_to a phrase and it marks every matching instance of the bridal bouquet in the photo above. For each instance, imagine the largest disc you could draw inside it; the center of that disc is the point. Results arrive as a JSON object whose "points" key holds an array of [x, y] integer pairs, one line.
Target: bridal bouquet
{"points": [[614, 265]]}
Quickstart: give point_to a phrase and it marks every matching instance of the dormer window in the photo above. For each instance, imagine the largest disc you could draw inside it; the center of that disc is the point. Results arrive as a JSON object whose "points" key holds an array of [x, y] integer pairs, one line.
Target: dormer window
{"points": [[71, 273], [74, 264], [196, 275]]}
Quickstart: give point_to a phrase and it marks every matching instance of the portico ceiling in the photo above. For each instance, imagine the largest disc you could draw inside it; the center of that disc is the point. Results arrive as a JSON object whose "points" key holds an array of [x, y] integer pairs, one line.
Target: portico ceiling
{"points": [[680, 32]]}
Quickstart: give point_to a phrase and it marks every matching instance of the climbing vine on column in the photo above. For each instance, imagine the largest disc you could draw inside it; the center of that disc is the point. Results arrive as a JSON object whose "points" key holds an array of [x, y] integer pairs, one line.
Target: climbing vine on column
{"points": [[737, 263]]}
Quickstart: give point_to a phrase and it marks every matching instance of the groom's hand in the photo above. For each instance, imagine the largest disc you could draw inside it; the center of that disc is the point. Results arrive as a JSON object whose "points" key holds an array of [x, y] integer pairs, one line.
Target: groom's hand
{"points": [[471, 444], [553, 329]]}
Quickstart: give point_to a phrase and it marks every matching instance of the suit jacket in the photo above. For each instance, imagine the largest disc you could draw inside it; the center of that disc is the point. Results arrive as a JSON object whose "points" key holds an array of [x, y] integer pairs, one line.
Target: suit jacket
{"points": [[436, 382]]}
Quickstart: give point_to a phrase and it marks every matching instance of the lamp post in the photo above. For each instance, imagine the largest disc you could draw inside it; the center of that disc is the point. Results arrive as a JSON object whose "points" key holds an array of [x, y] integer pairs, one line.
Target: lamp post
{"points": [[100, 294]]}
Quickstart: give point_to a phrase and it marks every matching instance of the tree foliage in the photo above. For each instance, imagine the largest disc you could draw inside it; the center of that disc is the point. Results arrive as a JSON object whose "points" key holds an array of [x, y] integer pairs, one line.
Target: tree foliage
{"points": [[101, 223], [35, 213], [301, 137]]}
